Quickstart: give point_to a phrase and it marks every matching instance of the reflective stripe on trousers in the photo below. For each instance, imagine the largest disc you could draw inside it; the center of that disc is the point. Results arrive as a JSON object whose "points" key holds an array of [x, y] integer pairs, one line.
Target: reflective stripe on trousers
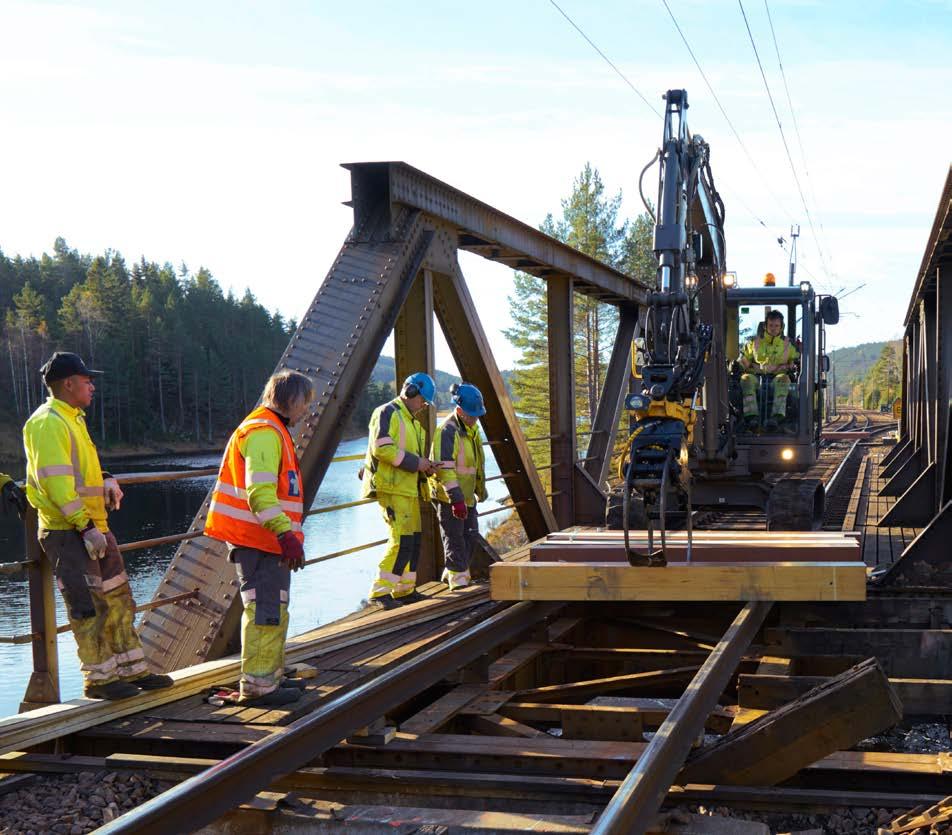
{"points": [[396, 572]]}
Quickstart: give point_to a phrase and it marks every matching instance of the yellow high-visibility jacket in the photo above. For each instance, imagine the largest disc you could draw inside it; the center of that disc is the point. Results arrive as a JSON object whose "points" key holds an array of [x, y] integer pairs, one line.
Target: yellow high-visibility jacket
{"points": [[63, 476], [461, 476], [261, 449], [769, 350], [395, 444]]}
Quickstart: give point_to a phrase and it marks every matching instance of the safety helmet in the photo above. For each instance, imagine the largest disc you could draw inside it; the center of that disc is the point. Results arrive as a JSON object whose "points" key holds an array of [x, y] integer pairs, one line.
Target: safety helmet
{"points": [[420, 383], [469, 399], [770, 280]]}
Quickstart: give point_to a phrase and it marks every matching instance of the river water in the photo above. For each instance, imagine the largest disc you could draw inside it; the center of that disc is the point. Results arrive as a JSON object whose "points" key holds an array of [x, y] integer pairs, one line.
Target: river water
{"points": [[319, 594]]}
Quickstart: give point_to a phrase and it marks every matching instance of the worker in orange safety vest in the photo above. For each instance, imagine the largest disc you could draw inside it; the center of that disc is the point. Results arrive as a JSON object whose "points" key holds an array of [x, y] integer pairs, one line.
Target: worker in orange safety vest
{"points": [[257, 507]]}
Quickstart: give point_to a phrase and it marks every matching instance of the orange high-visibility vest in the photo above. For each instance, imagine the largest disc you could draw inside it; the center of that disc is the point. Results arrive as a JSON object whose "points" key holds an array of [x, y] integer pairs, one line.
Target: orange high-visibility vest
{"points": [[230, 517]]}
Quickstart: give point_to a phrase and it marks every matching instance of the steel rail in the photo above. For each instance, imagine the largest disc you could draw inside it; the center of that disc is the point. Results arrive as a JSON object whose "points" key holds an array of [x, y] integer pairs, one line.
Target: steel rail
{"points": [[634, 805], [204, 798]]}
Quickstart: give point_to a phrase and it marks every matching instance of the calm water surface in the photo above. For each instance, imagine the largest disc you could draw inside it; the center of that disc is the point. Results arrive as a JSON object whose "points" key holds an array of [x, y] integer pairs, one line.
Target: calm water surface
{"points": [[319, 594]]}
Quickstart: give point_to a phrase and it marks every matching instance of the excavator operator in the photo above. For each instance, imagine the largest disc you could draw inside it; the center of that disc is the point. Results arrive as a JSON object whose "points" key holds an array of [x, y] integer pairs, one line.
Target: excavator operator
{"points": [[771, 355]]}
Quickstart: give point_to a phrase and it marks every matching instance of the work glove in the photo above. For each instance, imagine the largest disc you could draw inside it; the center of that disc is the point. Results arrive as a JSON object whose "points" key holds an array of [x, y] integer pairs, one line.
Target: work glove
{"points": [[95, 541], [292, 551], [459, 510], [12, 494], [112, 492]]}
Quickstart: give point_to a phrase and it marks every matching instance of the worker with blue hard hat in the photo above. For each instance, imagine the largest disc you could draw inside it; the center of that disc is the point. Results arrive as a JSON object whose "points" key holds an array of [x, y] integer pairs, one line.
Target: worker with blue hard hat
{"points": [[460, 481], [395, 472]]}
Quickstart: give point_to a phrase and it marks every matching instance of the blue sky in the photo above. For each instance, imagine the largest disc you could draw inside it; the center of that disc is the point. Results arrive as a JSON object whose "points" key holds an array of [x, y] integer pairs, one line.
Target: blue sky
{"points": [[212, 132]]}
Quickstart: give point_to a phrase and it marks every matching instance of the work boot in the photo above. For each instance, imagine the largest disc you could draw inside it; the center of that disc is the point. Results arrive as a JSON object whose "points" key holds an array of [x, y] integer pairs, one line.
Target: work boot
{"points": [[276, 698], [771, 425], [290, 681], [112, 691], [413, 597], [379, 603], [153, 681], [751, 422]]}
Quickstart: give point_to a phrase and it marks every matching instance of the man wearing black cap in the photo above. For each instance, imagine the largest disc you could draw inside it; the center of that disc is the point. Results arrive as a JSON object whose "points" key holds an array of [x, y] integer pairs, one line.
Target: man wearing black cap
{"points": [[72, 495]]}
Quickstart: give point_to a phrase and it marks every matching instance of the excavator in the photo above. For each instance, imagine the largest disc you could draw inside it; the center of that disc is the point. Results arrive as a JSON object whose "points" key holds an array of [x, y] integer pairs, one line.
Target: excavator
{"points": [[689, 444]]}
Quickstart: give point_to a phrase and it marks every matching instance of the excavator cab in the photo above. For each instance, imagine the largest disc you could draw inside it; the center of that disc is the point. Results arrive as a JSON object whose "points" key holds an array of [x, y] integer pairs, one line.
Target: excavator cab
{"points": [[776, 412]]}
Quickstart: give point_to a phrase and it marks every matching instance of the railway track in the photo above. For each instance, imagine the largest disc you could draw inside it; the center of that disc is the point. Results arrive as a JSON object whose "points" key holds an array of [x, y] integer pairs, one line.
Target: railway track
{"points": [[526, 712]]}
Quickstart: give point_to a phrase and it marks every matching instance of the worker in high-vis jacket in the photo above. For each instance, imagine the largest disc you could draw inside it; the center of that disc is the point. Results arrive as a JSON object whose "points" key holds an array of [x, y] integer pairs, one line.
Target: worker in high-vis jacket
{"points": [[72, 496], [257, 507], [395, 471], [460, 481], [773, 355]]}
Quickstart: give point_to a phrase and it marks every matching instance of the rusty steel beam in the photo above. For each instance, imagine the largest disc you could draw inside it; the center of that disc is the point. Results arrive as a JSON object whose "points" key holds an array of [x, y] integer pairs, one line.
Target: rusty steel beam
{"points": [[381, 186], [336, 345], [474, 359], [634, 805], [612, 398], [202, 799]]}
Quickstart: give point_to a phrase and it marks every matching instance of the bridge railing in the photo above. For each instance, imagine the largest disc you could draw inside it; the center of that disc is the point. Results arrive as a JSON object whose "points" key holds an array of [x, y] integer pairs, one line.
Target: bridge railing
{"points": [[44, 687]]}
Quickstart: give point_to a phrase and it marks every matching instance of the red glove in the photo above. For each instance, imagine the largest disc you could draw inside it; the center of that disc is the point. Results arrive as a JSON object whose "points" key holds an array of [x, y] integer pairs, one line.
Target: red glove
{"points": [[459, 510], [292, 551]]}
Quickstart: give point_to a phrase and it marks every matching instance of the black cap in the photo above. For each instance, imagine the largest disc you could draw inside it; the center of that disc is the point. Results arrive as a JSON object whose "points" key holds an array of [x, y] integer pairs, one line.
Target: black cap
{"points": [[64, 364]]}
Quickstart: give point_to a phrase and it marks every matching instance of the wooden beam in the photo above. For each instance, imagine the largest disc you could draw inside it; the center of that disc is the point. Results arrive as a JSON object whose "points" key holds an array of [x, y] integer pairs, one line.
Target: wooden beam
{"points": [[649, 715], [438, 713], [832, 716], [597, 686], [684, 581], [494, 725], [919, 696]]}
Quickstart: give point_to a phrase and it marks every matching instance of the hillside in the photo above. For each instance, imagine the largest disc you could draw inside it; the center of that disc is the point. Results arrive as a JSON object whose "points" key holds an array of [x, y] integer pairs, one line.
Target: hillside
{"points": [[853, 363], [384, 373]]}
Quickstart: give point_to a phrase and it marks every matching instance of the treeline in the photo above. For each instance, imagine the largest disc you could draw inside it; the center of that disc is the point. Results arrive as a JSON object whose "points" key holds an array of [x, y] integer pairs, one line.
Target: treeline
{"points": [[590, 221], [182, 359], [882, 383]]}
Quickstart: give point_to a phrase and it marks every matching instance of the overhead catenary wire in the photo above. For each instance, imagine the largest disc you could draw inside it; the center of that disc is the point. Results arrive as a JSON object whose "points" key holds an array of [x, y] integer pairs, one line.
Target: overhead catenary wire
{"points": [[783, 137], [796, 126], [727, 118], [608, 60]]}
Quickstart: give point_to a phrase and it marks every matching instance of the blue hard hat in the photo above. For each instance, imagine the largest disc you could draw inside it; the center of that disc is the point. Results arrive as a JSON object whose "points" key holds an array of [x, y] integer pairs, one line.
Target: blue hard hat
{"points": [[469, 399], [420, 383]]}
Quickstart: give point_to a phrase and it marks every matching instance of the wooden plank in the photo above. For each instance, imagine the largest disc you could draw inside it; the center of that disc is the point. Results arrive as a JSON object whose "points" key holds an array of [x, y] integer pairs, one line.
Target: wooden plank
{"points": [[837, 714], [724, 550], [437, 714], [504, 726], [576, 690], [695, 581], [494, 754], [919, 697], [645, 710], [43, 724]]}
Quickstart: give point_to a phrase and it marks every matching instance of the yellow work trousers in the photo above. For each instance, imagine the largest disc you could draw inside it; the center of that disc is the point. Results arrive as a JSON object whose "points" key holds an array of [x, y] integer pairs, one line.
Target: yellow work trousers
{"points": [[396, 573], [99, 606], [265, 583]]}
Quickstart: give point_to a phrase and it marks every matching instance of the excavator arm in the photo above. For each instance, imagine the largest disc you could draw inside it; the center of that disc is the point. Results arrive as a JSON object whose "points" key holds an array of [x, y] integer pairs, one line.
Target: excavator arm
{"points": [[680, 339]]}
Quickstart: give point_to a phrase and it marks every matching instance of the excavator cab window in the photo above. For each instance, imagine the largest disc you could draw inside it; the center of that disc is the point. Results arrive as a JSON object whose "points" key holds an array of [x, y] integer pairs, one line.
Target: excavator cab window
{"points": [[764, 388]]}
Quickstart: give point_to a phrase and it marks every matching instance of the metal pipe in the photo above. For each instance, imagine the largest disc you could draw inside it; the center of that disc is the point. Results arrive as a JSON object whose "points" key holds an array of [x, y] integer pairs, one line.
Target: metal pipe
{"points": [[634, 805], [346, 551], [329, 508], [500, 509], [159, 540], [204, 798]]}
